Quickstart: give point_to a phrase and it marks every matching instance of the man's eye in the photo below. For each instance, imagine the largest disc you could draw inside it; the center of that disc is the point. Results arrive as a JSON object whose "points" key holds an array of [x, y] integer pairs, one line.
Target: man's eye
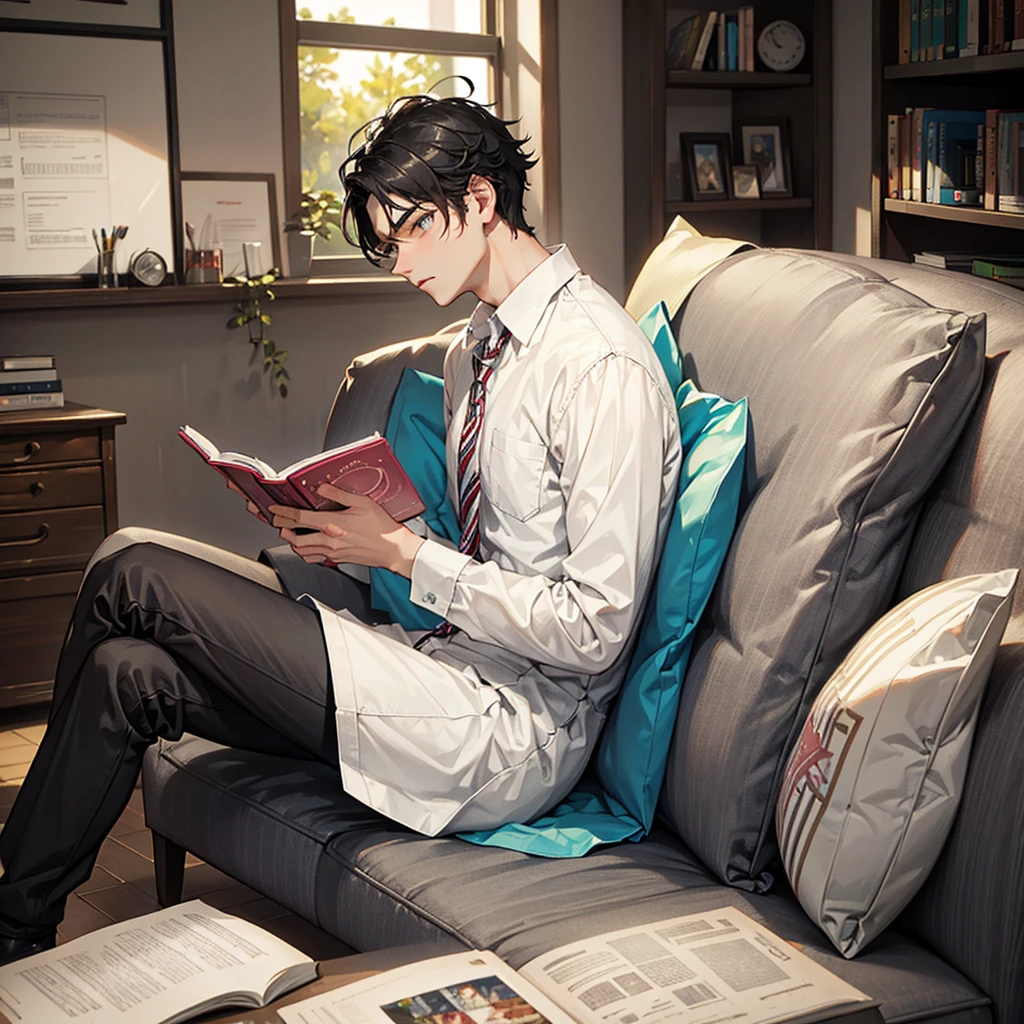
{"points": [[425, 221], [388, 251]]}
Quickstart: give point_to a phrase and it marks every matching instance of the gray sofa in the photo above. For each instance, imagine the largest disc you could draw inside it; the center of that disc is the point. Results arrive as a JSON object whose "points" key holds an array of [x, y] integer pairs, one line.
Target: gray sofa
{"points": [[956, 954]]}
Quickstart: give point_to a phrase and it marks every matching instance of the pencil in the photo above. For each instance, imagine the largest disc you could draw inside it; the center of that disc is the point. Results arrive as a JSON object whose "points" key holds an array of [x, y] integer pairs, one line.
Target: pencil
{"points": [[95, 240]]}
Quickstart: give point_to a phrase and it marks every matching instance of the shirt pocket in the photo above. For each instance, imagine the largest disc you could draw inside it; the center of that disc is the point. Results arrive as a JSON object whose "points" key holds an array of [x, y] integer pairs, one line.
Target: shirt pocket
{"points": [[515, 474]]}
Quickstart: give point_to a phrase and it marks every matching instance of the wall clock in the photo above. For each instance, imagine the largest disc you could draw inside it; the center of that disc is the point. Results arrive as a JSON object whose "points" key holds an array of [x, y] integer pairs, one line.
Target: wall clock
{"points": [[781, 46]]}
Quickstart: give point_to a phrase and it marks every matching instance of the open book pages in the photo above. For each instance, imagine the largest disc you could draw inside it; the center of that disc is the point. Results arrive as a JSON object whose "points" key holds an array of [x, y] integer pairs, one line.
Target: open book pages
{"points": [[162, 968], [699, 969], [214, 454], [475, 987]]}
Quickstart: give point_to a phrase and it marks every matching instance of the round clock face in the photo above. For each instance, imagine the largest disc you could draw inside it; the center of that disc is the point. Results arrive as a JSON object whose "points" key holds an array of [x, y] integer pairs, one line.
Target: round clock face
{"points": [[781, 46], [149, 267]]}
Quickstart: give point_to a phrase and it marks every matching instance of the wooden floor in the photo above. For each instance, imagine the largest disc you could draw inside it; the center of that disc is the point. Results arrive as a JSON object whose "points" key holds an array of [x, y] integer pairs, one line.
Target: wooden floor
{"points": [[122, 884]]}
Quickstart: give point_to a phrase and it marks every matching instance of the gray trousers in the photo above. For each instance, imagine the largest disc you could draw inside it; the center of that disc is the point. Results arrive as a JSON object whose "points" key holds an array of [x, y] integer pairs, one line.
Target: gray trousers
{"points": [[167, 636]]}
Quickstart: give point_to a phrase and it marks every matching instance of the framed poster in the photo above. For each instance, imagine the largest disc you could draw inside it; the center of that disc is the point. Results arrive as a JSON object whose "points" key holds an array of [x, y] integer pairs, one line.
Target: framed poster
{"points": [[134, 13], [83, 147], [226, 210]]}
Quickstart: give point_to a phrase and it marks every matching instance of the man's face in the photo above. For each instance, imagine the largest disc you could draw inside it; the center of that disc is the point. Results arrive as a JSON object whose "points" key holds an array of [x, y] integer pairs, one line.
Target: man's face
{"points": [[442, 261]]}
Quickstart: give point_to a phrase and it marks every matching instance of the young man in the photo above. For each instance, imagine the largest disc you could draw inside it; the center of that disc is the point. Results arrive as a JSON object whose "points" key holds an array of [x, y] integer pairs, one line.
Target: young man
{"points": [[563, 456]]}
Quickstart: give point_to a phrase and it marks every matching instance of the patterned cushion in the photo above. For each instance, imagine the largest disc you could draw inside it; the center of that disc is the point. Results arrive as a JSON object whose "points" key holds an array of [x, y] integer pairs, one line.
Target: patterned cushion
{"points": [[857, 391], [872, 786]]}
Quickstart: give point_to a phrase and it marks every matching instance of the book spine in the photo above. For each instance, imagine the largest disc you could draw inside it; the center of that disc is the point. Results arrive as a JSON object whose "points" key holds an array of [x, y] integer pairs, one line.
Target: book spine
{"points": [[991, 163], [30, 387], [969, 11], [732, 29], [1018, 25], [892, 150], [942, 178], [963, 50], [915, 155], [938, 29], [926, 29], [27, 363], [905, 162], [998, 27], [904, 31], [959, 196], [952, 29], [750, 38], [694, 38], [723, 51], [915, 30], [741, 39], [13, 376], [54, 400], [705, 42], [979, 162], [931, 145]]}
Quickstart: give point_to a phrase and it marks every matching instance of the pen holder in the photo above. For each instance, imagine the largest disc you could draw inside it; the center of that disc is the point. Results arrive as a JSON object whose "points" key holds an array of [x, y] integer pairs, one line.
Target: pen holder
{"points": [[106, 268], [204, 266]]}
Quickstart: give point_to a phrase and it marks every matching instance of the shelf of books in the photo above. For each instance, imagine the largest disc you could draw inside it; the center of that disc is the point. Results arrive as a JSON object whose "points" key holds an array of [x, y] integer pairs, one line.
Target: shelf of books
{"points": [[948, 141], [727, 121]]}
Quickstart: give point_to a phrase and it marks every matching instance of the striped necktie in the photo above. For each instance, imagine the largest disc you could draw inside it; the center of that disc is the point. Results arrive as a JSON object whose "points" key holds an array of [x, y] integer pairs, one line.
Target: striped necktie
{"points": [[468, 466]]}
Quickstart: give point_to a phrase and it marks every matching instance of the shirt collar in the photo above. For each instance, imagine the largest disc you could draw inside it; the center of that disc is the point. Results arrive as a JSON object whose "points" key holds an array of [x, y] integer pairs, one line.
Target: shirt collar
{"points": [[525, 304]]}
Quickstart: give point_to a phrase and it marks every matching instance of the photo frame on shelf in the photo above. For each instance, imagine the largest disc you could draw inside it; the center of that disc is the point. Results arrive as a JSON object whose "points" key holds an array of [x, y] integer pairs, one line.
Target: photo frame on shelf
{"points": [[764, 142], [708, 163], [95, 111], [228, 209], [746, 184]]}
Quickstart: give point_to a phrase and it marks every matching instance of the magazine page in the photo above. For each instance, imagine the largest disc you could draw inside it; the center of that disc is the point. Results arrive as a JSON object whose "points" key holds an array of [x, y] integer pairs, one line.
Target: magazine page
{"points": [[462, 988], [699, 969], [162, 967]]}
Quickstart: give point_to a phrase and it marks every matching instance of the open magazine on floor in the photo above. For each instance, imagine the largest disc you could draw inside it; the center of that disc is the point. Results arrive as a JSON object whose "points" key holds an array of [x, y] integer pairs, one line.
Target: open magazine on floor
{"points": [[705, 968], [162, 968]]}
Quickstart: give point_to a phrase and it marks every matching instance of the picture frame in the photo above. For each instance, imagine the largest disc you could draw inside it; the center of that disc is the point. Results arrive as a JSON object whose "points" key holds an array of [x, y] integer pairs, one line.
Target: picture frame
{"points": [[231, 208], [707, 159], [746, 182], [764, 142]]}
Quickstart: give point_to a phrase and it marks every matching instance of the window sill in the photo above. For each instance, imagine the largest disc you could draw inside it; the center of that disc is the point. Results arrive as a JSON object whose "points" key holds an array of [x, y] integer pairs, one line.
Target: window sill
{"points": [[43, 299]]}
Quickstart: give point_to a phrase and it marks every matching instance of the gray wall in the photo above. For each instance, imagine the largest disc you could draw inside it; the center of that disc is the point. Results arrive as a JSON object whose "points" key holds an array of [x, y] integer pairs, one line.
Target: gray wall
{"points": [[168, 365], [851, 134]]}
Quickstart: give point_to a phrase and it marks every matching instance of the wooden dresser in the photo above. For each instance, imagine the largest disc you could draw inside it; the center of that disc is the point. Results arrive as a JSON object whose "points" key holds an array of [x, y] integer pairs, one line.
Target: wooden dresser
{"points": [[58, 500]]}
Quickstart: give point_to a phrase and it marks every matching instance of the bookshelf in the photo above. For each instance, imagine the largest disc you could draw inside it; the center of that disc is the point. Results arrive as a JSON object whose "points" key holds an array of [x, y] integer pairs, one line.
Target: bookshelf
{"points": [[899, 228], [658, 104]]}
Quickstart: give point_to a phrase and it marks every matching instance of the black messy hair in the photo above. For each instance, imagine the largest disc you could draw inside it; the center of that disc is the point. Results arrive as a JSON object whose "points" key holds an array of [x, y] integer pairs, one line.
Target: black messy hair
{"points": [[424, 150]]}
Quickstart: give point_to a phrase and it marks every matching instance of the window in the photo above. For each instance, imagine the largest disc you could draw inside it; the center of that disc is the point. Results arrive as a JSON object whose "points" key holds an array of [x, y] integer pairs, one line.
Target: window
{"points": [[343, 63]]}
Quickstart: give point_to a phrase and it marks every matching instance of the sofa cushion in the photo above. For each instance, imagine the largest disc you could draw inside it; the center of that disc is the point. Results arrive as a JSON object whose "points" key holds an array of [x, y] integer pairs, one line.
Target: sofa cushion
{"points": [[971, 909], [873, 785], [857, 393]]}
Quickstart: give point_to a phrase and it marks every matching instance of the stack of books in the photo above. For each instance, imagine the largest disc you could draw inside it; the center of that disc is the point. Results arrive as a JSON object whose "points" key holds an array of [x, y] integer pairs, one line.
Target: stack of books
{"points": [[957, 157], [1005, 268], [713, 41], [29, 382], [945, 29]]}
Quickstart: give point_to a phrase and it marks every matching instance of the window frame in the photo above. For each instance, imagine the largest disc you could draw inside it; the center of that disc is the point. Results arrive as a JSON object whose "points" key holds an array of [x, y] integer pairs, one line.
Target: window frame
{"points": [[295, 32]]}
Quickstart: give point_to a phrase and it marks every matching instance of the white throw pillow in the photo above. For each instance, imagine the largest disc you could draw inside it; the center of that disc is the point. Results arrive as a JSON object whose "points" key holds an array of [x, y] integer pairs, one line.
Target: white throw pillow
{"points": [[872, 787]]}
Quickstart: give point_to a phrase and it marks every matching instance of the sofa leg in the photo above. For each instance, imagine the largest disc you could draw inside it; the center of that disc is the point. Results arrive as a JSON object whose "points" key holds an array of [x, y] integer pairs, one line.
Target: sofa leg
{"points": [[169, 866]]}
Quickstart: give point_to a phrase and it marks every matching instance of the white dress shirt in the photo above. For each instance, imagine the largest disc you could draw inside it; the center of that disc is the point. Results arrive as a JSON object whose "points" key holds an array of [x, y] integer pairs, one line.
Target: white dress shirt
{"points": [[579, 460]]}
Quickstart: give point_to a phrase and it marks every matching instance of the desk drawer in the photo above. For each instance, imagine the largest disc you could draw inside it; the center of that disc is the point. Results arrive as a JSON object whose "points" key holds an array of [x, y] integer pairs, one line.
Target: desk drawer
{"points": [[63, 446], [34, 615], [44, 540], [30, 490]]}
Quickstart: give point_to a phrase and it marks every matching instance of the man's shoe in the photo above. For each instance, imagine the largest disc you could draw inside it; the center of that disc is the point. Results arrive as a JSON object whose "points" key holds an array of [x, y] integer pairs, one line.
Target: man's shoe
{"points": [[15, 949]]}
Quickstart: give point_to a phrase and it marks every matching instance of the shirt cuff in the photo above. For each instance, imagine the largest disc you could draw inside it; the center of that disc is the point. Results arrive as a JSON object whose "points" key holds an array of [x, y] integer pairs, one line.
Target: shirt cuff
{"points": [[435, 570]]}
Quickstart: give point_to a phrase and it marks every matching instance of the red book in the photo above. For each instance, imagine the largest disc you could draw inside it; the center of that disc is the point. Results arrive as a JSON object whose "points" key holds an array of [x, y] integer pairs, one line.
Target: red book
{"points": [[365, 467]]}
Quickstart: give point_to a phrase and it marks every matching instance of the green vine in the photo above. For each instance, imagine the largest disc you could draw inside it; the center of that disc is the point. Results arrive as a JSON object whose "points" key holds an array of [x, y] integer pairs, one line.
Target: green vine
{"points": [[252, 315]]}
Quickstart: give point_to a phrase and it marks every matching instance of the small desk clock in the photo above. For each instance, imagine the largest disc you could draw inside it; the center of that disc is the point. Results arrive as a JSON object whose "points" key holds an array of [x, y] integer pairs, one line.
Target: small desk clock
{"points": [[148, 267], [781, 46]]}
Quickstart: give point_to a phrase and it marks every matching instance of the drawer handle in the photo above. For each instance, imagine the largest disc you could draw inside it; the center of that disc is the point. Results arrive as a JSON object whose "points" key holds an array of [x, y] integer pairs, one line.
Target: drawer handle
{"points": [[44, 532], [36, 489], [30, 449]]}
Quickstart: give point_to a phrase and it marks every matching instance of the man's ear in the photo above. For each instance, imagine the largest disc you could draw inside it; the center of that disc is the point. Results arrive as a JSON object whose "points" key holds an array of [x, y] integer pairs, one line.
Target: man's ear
{"points": [[482, 194]]}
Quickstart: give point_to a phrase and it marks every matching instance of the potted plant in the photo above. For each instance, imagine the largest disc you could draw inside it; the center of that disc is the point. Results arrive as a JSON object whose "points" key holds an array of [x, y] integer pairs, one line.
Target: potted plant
{"points": [[318, 213]]}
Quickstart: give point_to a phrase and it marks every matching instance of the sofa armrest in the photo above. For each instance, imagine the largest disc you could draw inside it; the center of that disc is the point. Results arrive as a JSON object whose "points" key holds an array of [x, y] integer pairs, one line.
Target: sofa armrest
{"points": [[363, 401], [971, 909]]}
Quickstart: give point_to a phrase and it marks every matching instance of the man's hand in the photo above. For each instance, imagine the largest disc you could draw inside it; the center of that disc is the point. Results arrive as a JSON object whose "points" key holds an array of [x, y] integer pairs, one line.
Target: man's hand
{"points": [[250, 505], [363, 533]]}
